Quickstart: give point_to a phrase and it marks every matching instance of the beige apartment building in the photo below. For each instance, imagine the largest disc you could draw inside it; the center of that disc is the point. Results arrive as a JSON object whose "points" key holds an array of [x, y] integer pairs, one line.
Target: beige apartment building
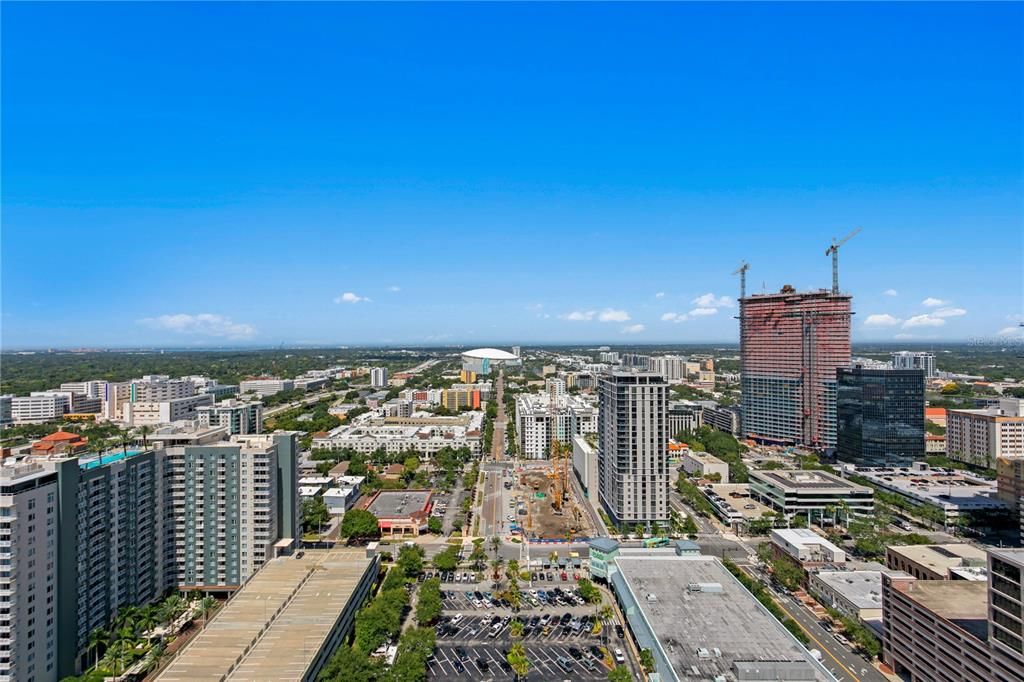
{"points": [[980, 437]]}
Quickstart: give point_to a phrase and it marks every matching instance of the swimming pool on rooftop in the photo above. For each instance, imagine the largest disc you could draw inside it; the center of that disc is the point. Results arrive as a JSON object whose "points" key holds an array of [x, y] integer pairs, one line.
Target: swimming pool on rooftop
{"points": [[100, 460]]}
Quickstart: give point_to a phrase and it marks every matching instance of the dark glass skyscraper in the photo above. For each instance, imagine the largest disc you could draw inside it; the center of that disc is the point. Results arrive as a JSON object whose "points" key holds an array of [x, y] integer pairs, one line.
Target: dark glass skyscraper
{"points": [[880, 415]]}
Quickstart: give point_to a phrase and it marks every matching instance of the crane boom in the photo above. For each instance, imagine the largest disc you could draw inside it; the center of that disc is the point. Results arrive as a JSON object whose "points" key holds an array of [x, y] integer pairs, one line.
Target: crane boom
{"points": [[833, 250], [742, 272]]}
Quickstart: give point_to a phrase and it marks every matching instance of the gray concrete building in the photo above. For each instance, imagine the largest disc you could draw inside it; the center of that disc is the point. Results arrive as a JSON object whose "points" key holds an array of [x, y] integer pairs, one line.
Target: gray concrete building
{"points": [[633, 470]]}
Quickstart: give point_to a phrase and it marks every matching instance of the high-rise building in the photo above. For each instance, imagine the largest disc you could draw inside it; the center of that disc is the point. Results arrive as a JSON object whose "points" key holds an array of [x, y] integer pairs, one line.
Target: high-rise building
{"points": [[5, 410], [906, 359], [880, 414], [633, 470], [379, 377], [40, 407], [791, 345], [28, 573], [146, 413], [672, 367], [980, 437], [241, 418]]}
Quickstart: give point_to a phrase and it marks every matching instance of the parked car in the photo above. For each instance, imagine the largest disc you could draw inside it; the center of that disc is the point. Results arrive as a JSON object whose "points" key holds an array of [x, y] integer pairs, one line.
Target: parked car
{"points": [[619, 656]]}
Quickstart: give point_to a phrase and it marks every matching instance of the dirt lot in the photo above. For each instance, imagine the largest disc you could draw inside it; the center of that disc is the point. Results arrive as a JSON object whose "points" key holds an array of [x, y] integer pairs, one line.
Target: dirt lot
{"points": [[545, 522]]}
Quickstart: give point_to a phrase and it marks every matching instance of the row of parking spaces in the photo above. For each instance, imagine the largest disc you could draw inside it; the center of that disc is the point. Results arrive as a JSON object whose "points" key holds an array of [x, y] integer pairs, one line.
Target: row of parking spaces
{"points": [[547, 662], [537, 578], [469, 600], [575, 628]]}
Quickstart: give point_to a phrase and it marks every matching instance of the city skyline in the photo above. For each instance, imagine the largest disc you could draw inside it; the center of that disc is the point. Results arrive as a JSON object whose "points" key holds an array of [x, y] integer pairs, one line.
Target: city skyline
{"points": [[243, 175]]}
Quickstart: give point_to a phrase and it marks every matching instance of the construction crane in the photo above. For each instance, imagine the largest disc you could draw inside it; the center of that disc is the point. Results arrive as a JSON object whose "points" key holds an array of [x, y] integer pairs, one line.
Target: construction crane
{"points": [[833, 251], [742, 272]]}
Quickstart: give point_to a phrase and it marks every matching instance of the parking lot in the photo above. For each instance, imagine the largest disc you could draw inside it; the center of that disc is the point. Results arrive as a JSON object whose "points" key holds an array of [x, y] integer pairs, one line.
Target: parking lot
{"points": [[487, 662], [475, 633]]}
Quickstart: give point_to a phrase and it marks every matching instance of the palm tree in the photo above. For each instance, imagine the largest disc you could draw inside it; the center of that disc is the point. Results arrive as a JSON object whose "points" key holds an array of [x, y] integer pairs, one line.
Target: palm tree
{"points": [[515, 628], [518, 661], [553, 557], [495, 545], [147, 619], [605, 612], [513, 569], [208, 604], [98, 637], [124, 438], [144, 431]]}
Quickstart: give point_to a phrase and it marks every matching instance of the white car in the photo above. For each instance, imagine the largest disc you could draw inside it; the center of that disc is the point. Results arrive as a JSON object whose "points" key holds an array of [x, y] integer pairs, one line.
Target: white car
{"points": [[478, 604], [458, 577], [510, 518], [456, 618], [619, 658]]}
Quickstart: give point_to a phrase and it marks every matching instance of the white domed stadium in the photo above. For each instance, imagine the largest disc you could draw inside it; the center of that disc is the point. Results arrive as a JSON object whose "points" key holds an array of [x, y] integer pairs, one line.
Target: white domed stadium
{"points": [[480, 360]]}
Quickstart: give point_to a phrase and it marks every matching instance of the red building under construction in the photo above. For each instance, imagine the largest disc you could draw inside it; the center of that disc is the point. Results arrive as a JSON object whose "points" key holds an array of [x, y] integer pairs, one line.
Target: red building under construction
{"points": [[791, 345]]}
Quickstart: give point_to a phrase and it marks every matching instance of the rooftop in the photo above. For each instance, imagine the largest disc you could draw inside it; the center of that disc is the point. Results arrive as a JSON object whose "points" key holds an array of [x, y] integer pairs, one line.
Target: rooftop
{"points": [[941, 558], [801, 479], [399, 503], [707, 624], [321, 582], [862, 588], [963, 603], [489, 354], [803, 537]]}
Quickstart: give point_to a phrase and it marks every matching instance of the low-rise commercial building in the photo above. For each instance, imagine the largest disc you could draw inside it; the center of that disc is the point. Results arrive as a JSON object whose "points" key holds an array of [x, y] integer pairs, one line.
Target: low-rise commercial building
{"points": [[809, 492], [855, 594], [265, 386], [700, 623], [39, 408], [805, 548], [400, 512], [704, 465], [952, 491]]}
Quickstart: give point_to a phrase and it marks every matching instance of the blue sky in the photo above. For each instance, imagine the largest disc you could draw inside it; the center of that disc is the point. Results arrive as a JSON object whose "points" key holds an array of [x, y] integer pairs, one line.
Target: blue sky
{"points": [[227, 173]]}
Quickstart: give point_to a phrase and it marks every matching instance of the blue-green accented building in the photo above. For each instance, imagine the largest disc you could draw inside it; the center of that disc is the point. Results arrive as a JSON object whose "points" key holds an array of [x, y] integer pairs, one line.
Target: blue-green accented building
{"points": [[111, 549]]}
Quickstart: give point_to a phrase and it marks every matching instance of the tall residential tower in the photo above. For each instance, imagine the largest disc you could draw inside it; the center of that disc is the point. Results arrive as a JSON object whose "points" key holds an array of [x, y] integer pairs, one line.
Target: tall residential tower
{"points": [[791, 345], [632, 427]]}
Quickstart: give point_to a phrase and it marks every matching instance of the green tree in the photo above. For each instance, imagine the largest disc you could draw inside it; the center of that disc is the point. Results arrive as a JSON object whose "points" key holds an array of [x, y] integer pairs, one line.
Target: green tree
{"points": [[428, 604], [647, 660], [350, 665], [588, 592], [620, 673], [314, 514], [446, 560], [97, 638], [517, 660], [515, 628], [478, 556], [410, 560], [434, 525], [359, 524]]}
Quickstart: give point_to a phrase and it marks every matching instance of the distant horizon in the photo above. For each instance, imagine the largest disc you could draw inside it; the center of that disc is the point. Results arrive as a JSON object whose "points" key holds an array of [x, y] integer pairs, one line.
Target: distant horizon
{"points": [[199, 174], [1008, 343]]}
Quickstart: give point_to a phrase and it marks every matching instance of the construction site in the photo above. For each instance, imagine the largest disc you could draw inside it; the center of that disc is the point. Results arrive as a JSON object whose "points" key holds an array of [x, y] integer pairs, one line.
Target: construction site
{"points": [[546, 499]]}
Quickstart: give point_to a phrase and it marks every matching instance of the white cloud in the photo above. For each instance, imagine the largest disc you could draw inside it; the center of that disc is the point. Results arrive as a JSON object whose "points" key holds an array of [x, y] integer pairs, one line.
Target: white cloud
{"points": [[890, 292], [702, 312], [949, 312], [613, 315], [203, 324], [881, 320], [349, 297], [633, 329], [709, 300], [924, 321], [932, 302], [580, 316], [671, 317], [1011, 332], [394, 288], [683, 317], [660, 294], [903, 335]]}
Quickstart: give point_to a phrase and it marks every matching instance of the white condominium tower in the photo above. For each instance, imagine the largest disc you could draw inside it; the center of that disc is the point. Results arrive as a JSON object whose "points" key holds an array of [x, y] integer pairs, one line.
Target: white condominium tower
{"points": [[632, 427]]}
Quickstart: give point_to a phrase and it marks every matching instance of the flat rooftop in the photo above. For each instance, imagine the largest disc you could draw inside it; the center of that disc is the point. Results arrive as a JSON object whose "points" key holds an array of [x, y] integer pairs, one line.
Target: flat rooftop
{"points": [[736, 496], [942, 558], [392, 503], [803, 479], [963, 603], [862, 588], [704, 634], [294, 637], [941, 487]]}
